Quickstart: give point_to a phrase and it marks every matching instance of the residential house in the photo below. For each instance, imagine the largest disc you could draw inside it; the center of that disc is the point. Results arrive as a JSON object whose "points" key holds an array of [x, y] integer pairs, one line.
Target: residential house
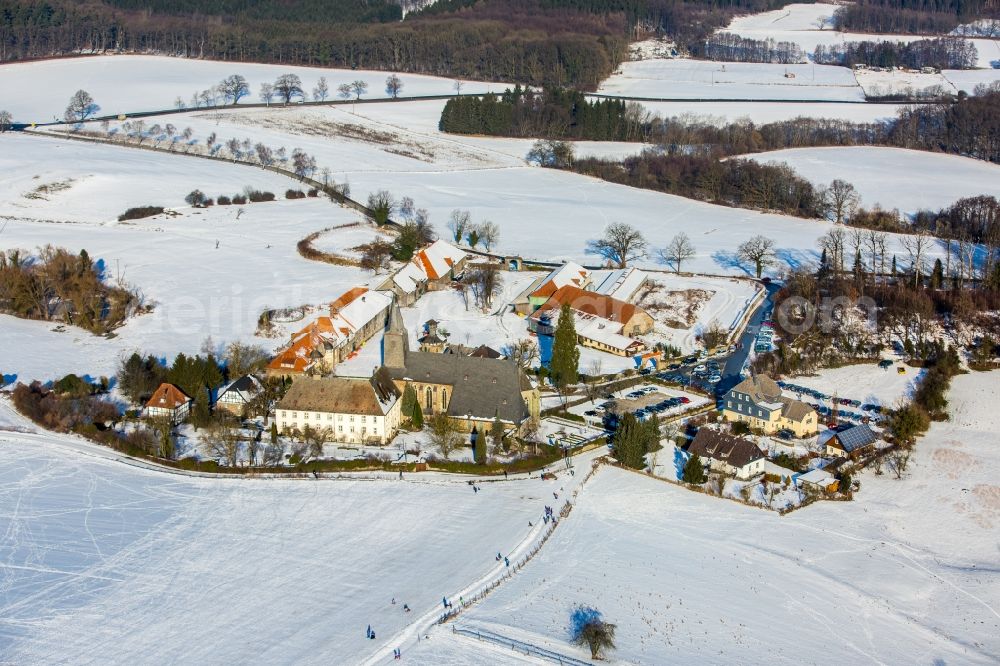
{"points": [[317, 348], [235, 396], [733, 456], [851, 442], [758, 402], [471, 390], [168, 402], [354, 410]]}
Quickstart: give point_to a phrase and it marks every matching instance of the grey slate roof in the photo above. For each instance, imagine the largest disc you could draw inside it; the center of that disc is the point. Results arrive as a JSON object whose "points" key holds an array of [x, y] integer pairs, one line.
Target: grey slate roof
{"points": [[342, 395], [717, 445], [482, 387], [855, 438]]}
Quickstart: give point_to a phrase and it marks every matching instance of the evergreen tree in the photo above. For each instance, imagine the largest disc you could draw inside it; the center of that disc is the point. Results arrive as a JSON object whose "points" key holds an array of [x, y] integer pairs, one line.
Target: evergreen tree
{"points": [[274, 433], [937, 275], [200, 414], [418, 415], [497, 433], [565, 360], [694, 471], [894, 272], [409, 401], [479, 451], [630, 442]]}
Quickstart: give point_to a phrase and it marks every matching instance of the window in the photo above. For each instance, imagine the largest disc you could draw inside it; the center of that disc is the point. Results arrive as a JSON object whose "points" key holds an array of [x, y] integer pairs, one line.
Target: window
{"points": [[739, 408], [429, 399], [284, 414], [352, 420], [340, 428], [295, 415], [363, 418], [444, 397], [329, 417]]}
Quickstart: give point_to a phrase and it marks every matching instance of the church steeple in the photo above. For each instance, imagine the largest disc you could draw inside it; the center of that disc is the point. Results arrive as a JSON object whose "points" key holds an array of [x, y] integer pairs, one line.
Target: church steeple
{"points": [[395, 342]]}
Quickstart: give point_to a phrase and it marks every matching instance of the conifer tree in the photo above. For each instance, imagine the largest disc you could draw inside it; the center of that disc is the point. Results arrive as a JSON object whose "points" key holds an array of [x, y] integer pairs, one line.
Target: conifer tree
{"points": [[694, 471], [409, 401], [630, 442], [418, 416], [565, 360], [479, 452], [497, 433]]}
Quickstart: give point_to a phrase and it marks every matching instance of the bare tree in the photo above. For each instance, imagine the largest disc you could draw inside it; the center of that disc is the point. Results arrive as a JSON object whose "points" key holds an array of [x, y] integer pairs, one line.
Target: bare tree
{"points": [[375, 255], [917, 245], [344, 91], [523, 353], [458, 223], [444, 434], [842, 199], [264, 154], [179, 103], [224, 442], [6, 121], [322, 90], [759, 251], [288, 86], [406, 208], [489, 234], [458, 86], [621, 244], [899, 460], [243, 359], [81, 106], [393, 86], [303, 164], [835, 244], [677, 251], [233, 146], [485, 283], [315, 438], [359, 88], [266, 93], [234, 88]]}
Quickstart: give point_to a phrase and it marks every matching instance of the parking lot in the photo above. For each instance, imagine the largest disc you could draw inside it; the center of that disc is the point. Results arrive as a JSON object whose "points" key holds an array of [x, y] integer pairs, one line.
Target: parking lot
{"points": [[643, 401]]}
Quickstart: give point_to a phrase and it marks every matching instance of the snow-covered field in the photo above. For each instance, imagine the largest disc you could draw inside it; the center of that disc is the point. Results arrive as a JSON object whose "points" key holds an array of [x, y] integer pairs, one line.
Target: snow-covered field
{"points": [[800, 23], [867, 383], [107, 563], [207, 272], [904, 574], [909, 180], [130, 83], [701, 79], [769, 112]]}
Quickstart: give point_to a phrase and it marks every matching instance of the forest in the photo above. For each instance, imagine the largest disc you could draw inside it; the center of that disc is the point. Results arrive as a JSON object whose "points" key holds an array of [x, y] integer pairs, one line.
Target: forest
{"points": [[942, 53], [733, 48], [969, 126], [553, 113], [734, 182], [571, 43], [925, 17]]}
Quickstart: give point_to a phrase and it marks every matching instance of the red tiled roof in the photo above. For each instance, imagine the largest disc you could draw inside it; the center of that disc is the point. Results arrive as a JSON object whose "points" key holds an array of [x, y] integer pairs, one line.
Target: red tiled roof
{"points": [[168, 396], [591, 303]]}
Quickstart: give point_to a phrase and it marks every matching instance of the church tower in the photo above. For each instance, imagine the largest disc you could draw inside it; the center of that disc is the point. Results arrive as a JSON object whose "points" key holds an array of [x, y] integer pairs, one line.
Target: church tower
{"points": [[395, 342]]}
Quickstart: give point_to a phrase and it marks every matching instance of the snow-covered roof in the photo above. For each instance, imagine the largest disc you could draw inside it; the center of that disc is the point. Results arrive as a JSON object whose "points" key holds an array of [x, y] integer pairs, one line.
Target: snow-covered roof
{"points": [[816, 477], [597, 329], [409, 277], [438, 258], [361, 307], [622, 284], [569, 274]]}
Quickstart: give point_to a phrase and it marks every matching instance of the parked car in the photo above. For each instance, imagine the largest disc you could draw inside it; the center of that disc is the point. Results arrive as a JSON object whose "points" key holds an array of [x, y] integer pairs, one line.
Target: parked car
{"points": [[590, 412], [700, 368], [900, 370], [684, 400]]}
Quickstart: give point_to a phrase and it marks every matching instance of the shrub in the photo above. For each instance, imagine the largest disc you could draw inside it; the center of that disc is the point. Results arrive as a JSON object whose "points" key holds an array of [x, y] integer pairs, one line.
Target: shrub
{"points": [[256, 196], [740, 428], [294, 194], [140, 212], [223, 200], [313, 192], [207, 203], [239, 199]]}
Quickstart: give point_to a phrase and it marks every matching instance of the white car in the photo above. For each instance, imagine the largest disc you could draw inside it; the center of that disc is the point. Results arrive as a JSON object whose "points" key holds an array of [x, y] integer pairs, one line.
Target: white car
{"points": [[700, 368]]}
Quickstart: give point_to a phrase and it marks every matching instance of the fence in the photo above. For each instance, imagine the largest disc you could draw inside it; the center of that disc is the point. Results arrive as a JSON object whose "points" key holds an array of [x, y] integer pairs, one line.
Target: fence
{"points": [[520, 646]]}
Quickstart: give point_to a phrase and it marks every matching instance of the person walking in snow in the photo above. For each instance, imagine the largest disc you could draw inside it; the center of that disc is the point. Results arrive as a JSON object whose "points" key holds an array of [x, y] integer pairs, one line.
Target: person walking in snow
{"points": [[406, 608], [506, 562], [368, 634]]}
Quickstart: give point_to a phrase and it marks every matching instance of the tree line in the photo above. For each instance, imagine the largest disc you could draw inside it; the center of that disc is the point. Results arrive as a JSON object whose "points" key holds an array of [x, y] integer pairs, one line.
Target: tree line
{"points": [[554, 112], [573, 43], [59, 285], [941, 53], [969, 126], [742, 183], [912, 16], [733, 48]]}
